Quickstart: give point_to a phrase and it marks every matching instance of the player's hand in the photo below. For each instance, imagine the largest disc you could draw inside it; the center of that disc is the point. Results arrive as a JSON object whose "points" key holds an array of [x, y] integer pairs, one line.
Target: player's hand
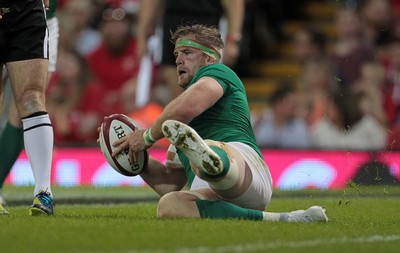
{"points": [[98, 132], [134, 142], [231, 53], [46, 4]]}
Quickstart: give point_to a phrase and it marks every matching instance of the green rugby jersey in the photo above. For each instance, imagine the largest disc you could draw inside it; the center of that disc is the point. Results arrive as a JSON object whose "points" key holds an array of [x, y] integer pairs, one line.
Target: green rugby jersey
{"points": [[228, 120]]}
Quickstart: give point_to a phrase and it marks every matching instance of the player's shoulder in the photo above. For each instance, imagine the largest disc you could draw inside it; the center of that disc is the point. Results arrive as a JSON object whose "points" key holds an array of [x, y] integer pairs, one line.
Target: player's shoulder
{"points": [[215, 69], [220, 66], [223, 74]]}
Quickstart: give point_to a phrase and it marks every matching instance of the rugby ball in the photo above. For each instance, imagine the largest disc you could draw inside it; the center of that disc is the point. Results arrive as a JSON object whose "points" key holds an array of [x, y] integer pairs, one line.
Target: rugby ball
{"points": [[113, 128]]}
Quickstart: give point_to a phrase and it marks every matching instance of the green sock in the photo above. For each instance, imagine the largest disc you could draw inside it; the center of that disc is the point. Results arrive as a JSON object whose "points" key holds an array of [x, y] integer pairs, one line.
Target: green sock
{"points": [[11, 145], [218, 209], [225, 160]]}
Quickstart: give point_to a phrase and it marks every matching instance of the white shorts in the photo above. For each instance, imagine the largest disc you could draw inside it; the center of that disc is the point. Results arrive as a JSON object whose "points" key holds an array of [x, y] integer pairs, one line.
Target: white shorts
{"points": [[54, 33], [259, 193]]}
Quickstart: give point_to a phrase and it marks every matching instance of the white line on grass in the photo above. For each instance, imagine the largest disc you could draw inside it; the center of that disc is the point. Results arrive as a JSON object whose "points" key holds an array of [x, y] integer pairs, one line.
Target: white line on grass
{"points": [[250, 247]]}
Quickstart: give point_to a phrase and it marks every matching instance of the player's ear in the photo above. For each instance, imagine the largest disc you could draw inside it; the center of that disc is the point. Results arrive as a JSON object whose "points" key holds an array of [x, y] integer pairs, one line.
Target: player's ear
{"points": [[210, 60]]}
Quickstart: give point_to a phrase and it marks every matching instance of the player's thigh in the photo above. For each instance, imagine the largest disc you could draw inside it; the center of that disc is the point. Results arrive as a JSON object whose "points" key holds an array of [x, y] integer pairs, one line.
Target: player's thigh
{"points": [[257, 184]]}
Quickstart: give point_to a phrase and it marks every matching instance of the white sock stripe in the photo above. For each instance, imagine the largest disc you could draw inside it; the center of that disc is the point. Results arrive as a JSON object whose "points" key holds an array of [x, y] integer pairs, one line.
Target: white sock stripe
{"points": [[37, 121], [39, 125], [268, 216]]}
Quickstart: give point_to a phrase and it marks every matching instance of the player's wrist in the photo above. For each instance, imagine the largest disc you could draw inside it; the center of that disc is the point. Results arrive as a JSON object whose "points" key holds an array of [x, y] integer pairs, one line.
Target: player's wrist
{"points": [[148, 138], [234, 38]]}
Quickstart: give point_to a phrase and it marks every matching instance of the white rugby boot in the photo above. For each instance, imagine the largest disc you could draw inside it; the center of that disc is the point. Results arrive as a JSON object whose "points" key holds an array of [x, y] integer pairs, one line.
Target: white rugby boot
{"points": [[314, 213], [3, 211], [186, 139], [2, 201]]}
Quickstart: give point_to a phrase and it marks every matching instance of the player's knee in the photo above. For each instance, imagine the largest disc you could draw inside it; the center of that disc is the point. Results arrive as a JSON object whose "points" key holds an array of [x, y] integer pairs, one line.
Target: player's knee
{"points": [[30, 101], [167, 205], [172, 205]]}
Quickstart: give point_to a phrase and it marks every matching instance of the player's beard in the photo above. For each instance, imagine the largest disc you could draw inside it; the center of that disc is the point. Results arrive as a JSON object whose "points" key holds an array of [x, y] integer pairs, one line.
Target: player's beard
{"points": [[184, 82], [184, 85]]}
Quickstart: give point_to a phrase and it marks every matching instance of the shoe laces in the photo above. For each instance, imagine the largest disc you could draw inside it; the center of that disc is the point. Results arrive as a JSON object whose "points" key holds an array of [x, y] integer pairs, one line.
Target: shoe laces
{"points": [[45, 199]]}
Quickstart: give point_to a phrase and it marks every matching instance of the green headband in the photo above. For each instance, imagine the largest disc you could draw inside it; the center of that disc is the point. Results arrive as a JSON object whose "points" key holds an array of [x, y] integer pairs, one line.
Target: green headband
{"points": [[190, 43]]}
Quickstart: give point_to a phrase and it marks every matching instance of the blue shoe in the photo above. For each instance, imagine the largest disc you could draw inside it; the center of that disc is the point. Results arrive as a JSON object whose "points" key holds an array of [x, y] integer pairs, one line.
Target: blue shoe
{"points": [[42, 204]]}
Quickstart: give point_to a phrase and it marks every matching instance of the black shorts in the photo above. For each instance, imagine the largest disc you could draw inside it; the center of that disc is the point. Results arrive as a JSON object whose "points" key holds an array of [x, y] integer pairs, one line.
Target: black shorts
{"points": [[23, 31], [171, 23]]}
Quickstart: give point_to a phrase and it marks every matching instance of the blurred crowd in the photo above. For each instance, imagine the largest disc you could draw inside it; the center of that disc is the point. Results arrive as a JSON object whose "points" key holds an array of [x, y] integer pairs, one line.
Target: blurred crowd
{"points": [[347, 96], [97, 68]]}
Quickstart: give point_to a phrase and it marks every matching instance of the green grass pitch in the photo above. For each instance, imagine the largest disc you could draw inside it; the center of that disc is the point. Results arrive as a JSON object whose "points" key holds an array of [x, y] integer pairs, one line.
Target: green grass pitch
{"points": [[122, 219]]}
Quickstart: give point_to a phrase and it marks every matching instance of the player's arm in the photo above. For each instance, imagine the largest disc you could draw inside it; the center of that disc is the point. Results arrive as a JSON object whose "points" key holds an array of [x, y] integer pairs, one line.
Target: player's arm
{"points": [[163, 180], [46, 4], [234, 13], [192, 102], [149, 12]]}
